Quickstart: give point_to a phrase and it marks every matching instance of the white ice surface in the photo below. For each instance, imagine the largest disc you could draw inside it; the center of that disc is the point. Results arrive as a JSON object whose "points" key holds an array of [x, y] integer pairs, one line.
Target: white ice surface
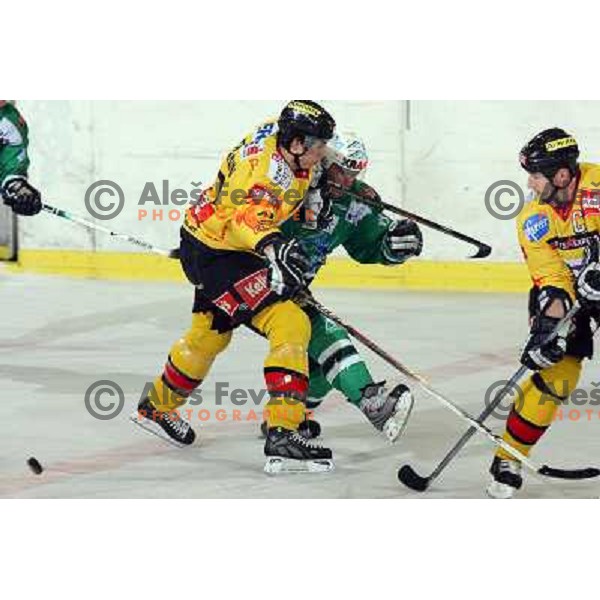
{"points": [[60, 335]]}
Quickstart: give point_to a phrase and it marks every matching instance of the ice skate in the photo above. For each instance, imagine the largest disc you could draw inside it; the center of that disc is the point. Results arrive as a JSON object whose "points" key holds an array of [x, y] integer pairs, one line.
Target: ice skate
{"points": [[168, 426], [387, 411], [506, 479], [290, 452]]}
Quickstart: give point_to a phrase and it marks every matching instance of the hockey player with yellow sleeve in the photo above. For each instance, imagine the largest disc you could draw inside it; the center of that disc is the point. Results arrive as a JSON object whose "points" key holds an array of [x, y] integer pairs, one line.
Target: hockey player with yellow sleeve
{"points": [[558, 231], [332, 217], [245, 272]]}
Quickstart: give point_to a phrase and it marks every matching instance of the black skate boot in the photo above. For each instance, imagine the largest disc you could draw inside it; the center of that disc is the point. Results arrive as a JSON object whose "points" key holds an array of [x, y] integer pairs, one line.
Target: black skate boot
{"points": [[289, 452], [168, 426], [387, 411], [506, 478]]}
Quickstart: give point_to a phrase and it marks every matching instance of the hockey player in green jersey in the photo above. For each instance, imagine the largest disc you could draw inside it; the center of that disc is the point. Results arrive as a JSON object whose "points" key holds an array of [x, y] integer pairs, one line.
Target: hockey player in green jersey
{"points": [[330, 218], [15, 190]]}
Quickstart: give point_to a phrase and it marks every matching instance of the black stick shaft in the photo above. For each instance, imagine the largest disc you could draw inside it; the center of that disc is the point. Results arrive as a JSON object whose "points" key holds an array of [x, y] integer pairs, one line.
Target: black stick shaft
{"points": [[483, 250], [488, 410], [544, 470], [363, 339]]}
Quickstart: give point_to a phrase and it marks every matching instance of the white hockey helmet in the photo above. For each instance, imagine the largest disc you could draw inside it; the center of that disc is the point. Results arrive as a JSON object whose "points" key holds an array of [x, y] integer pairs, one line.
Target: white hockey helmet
{"points": [[348, 151]]}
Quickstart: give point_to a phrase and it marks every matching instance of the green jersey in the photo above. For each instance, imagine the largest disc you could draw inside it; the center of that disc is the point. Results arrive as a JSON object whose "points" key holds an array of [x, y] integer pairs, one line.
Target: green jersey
{"points": [[356, 226], [14, 139], [360, 229]]}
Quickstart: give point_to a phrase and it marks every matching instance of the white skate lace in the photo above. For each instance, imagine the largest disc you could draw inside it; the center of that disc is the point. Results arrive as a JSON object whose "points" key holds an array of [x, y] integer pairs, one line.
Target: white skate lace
{"points": [[300, 439], [178, 424], [376, 402]]}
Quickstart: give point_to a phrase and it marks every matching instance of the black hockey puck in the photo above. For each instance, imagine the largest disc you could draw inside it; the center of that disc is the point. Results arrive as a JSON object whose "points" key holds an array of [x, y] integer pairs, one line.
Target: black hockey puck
{"points": [[35, 466]]}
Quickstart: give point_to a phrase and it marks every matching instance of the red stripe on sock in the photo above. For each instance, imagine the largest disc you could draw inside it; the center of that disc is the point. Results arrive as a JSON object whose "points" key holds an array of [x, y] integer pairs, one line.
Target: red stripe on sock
{"points": [[282, 382], [178, 380], [522, 430]]}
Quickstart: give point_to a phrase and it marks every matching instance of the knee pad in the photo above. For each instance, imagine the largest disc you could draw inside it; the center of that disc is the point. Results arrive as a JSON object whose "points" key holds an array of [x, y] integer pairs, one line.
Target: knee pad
{"points": [[194, 353], [555, 383], [287, 327], [188, 363]]}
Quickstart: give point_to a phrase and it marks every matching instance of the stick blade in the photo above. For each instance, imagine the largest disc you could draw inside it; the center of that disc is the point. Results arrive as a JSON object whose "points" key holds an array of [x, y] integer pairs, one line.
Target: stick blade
{"points": [[587, 473], [483, 251], [411, 479]]}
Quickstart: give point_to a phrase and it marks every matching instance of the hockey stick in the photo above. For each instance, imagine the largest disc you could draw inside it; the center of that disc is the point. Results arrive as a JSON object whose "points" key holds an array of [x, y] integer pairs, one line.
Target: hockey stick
{"points": [[411, 479], [483, 250], [307, 299], [544, 470], [63, 214]]}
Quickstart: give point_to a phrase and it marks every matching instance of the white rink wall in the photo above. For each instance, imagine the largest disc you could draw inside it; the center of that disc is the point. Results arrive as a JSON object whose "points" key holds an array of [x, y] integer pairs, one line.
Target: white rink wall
{"points": [[436, 158]]}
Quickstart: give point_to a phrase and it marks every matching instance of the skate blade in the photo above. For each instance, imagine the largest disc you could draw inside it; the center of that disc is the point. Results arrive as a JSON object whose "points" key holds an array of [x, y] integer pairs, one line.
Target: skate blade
{"points": [[276, 465], [500, 491], [394, 427], [157, 430]]}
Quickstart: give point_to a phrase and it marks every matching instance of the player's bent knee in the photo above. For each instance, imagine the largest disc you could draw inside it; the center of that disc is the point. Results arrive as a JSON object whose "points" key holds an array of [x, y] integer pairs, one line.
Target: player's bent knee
{"points": [[201, 333], [293, 325], [562, 378], [284, 322], [201, 337], [289, 339], [194, 353]]}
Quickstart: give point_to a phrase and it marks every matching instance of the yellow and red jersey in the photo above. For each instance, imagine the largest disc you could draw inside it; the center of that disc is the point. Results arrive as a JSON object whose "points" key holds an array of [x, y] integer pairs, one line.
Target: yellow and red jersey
{"points": [[553, 240], [255, 191]]}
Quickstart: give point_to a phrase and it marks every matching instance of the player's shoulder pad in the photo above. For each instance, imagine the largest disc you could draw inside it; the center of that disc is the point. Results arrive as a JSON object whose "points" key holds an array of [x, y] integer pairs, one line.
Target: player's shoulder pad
{"points": [[590, 175], [260, 140], [269, 173]]}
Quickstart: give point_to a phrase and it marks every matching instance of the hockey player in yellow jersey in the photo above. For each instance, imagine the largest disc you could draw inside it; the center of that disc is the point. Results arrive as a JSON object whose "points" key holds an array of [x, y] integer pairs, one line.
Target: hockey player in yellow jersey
{"points": [[256, 189], [558, 233], [245, 272]]}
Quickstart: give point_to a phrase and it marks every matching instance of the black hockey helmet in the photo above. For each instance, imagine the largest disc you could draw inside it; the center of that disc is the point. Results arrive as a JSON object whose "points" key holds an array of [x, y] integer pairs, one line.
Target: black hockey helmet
{"points": [[549, 151], [304, 119]]}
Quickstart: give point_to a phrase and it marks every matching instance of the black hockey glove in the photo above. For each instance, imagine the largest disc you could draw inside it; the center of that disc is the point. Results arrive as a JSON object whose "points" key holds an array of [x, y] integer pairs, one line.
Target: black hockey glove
{"points": [[287, 265], [588, 282], [402, 240], [588, 286], [316, 211], [539, 354], [22, 197]]}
